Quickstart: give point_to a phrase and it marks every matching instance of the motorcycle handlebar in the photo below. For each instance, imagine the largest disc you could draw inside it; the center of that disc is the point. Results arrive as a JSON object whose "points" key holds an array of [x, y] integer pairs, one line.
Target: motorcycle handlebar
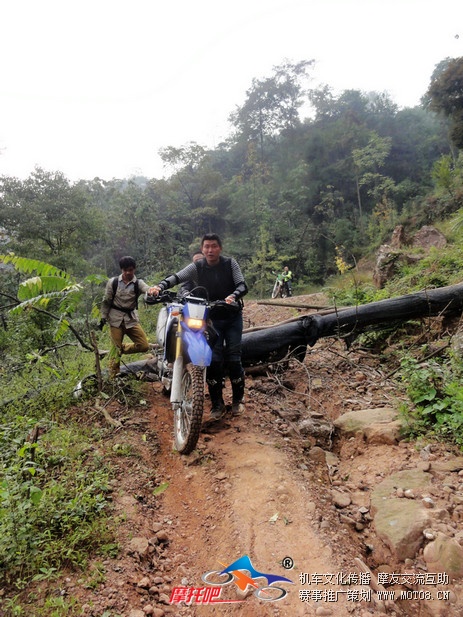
{"points": [[167, 296]]}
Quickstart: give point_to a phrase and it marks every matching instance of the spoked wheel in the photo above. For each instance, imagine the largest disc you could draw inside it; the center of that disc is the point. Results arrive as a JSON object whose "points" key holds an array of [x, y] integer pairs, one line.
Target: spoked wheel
{"points": [[276, 290], [189, 413]]}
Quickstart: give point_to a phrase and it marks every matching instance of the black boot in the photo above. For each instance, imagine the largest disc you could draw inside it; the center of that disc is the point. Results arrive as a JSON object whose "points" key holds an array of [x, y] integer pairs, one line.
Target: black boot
{"points": [[214, 380], [237, 383]]}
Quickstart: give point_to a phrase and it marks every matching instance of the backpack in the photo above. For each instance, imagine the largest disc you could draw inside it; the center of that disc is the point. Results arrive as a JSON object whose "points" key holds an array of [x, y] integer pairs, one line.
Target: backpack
{"points": [[115, 283]]}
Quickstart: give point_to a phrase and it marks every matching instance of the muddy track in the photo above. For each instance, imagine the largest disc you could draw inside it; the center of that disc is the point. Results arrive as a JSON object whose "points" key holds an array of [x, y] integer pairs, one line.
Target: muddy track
{"points": [[240, 495]]}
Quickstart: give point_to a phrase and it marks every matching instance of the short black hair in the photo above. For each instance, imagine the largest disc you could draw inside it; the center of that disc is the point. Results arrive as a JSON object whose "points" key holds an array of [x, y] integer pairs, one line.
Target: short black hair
{"points": [[211, 238], [127, 262]]}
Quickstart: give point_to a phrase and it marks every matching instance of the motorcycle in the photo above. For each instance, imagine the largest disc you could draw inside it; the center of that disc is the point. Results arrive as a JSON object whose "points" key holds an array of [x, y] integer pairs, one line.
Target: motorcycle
{"points": [[185, 338], [280, 289]]}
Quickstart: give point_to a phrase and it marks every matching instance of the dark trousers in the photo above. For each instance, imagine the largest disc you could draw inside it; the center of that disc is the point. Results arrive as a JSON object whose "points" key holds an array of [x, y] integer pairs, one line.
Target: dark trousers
{"points": [[226, 354]]}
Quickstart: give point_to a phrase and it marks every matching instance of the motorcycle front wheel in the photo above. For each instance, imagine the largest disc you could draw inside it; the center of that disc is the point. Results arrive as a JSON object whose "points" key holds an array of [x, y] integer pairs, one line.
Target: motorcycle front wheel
{"points": [[276, 290], [188, 414]]}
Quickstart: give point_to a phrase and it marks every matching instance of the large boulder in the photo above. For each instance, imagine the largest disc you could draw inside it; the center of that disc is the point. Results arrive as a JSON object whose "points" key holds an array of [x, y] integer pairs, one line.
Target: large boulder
{"points": [[428, 237], [377, 426], [398, 521], [389, 256], [444, 554]]}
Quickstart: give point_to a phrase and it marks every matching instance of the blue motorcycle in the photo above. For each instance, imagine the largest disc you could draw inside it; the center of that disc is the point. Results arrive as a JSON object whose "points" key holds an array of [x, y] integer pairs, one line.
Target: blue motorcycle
{"points": [[185, 339]]}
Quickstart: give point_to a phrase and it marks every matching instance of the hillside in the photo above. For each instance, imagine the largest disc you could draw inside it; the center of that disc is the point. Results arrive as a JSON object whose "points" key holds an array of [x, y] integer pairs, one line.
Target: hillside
{"points": [[277, 482]]}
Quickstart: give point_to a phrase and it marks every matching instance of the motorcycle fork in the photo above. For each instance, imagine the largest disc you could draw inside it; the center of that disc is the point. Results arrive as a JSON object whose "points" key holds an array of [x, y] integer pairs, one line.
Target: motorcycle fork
{"points": [[177, 373]]}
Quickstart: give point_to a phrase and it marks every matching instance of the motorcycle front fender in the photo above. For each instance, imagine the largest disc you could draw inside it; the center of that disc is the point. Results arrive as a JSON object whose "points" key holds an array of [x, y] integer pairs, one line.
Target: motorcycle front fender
{"points": [[197, 347]]}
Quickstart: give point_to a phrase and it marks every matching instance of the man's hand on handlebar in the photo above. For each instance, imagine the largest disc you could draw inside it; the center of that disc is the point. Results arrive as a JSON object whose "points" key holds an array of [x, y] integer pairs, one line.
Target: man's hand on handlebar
{"points": [[230, 299], [154, 291]]}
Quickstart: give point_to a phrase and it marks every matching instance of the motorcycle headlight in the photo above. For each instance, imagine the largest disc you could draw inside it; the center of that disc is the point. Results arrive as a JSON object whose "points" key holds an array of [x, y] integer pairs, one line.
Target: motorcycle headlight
{"points": [[194, 324]]}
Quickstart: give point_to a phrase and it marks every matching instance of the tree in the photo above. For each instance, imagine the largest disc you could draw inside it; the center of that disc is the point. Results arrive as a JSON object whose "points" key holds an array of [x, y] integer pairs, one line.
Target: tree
{"points": [[192, 185], [367, 163], [50, 288], [445, 96], [265, 260], [272, 104], [47, 210]]}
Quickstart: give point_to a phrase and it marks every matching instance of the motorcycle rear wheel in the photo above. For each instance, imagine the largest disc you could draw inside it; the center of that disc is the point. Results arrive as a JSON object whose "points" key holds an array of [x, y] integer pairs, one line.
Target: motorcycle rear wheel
{"points": [[188, 414]]}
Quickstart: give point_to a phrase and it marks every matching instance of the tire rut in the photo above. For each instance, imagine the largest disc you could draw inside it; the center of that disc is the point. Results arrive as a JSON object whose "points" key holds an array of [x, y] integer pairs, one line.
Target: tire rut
{"points": [[239, 494]]}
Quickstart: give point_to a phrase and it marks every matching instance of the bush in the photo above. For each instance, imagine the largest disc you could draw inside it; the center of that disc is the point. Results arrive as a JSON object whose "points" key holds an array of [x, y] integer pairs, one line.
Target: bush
{"points": [[436, 392]]}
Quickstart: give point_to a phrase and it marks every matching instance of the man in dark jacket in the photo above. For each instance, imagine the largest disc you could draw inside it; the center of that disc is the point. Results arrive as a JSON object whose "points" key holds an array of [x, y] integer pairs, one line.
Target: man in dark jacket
{"points": [[223, 280]]}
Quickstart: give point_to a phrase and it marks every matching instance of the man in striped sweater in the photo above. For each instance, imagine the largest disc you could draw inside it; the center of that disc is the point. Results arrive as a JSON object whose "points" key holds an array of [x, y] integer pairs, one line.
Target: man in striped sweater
{"points": [[222, 278]]}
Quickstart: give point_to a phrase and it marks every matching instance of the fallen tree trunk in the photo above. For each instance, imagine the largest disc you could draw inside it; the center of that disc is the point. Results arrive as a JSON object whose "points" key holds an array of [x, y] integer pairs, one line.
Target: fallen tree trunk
{"points": [[275, 343], [429, 303]]}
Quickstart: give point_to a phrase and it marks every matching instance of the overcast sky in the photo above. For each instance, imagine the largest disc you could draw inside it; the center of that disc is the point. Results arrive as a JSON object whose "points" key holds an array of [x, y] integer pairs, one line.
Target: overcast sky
{"points": [[97, 87]]}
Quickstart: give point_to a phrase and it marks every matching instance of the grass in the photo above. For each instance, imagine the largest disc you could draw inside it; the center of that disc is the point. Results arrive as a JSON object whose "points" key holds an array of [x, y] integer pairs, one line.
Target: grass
{"points": [[55, 480]]}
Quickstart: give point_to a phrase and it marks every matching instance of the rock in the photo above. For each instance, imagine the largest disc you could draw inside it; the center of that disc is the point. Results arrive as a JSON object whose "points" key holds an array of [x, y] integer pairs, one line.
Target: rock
{"points": [[331, 459], [444, 554], [398, 237], [340, 500], [317, 454], [138, 546], [389, 433], [378, 425], [135, 612], [162, 537], [386, 265], [164, 598], [427, 237], [453, 464], [400, 522], [428, 502], [318, 428], [144, 582]]}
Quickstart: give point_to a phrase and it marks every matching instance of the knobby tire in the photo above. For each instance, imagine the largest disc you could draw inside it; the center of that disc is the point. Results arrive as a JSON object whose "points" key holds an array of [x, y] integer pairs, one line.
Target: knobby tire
{"points": [[276, 292], [189, 414]]}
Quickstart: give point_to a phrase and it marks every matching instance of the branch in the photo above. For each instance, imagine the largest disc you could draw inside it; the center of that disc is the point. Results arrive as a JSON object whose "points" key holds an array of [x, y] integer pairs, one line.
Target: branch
{"points": [[56, 317], [295, 305]]}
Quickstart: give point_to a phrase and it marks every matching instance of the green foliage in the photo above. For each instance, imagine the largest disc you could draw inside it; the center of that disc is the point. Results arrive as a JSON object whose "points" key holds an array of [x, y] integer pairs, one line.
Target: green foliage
{"points": [[436, 393], [352, 167], [54, 293], [272, 103], [437, 269], [445, 96], [46, 215], [351, 290], [53, 498], [264, 263]]}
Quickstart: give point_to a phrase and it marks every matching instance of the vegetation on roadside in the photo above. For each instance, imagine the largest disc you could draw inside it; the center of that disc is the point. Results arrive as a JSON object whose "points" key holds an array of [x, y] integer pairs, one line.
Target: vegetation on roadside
{"points": [[435, 389]]}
